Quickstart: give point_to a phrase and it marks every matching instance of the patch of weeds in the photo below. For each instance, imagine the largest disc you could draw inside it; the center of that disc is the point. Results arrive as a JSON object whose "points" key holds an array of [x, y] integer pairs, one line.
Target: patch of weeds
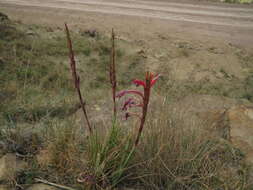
{"points": [[87, 51], [9, 32]]}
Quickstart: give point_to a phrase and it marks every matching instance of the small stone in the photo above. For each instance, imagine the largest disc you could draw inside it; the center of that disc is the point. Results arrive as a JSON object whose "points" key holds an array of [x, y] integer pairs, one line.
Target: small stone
{"points": [[41, 187], [9, 165], [30, 33]]}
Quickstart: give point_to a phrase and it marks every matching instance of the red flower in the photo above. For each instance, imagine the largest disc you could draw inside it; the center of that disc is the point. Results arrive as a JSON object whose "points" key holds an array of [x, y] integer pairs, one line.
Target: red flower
{"points": [[142, 83]]}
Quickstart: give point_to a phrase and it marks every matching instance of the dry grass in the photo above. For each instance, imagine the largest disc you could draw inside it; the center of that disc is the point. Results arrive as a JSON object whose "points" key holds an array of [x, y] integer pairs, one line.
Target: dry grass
{"points": [[172, 154], [181, 155]]}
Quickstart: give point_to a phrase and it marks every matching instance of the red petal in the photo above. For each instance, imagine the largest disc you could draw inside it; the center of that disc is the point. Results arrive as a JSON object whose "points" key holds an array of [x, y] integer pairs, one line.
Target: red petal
{"points": [[155, 79], [139, 82]]}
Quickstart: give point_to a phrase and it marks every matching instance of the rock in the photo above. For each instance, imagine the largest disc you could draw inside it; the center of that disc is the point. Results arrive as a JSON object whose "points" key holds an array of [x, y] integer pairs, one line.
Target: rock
{"points": [[235, 124], [41, 187], [9, 166], [3, 17]]}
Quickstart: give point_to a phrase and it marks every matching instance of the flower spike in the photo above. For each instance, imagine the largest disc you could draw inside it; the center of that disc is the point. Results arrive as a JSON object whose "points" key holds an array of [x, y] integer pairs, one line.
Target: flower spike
{"points": [[147, 84]]}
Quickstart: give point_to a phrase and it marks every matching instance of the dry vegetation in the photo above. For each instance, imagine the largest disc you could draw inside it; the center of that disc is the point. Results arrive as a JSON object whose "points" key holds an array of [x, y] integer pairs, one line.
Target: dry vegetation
{"points": [[38, 96], [237, 1]]}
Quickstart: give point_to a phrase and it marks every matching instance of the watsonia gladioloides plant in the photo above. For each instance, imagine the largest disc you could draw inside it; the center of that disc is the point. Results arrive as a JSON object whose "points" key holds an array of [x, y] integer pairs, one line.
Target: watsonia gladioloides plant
{"points": [[142, 101], [143, 97]]}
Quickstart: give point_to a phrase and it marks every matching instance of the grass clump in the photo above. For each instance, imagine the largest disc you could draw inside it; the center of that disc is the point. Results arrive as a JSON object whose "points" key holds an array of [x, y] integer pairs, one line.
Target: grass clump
{"points": [[108, 159]]}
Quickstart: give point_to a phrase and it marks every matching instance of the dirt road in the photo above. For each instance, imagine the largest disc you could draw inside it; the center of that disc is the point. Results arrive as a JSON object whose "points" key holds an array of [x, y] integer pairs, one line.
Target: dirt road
{"points": [[194, 13], [140, 19]]}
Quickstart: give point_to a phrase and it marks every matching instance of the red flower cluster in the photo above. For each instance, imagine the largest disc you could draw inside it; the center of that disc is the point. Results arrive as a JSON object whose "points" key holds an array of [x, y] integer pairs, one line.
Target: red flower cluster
{"points": [[142, 100], [133, 101]]}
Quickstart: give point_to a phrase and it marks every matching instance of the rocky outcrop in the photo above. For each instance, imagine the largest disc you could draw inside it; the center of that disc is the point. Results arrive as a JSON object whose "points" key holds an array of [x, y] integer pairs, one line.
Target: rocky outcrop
{"points": [[234, 124], [222, 117]]}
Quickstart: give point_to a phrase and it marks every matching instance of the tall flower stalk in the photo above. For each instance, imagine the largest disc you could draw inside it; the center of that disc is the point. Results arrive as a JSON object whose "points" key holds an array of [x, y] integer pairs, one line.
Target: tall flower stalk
{"points": [[142, 101], [75, 76], [113, 74]]}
